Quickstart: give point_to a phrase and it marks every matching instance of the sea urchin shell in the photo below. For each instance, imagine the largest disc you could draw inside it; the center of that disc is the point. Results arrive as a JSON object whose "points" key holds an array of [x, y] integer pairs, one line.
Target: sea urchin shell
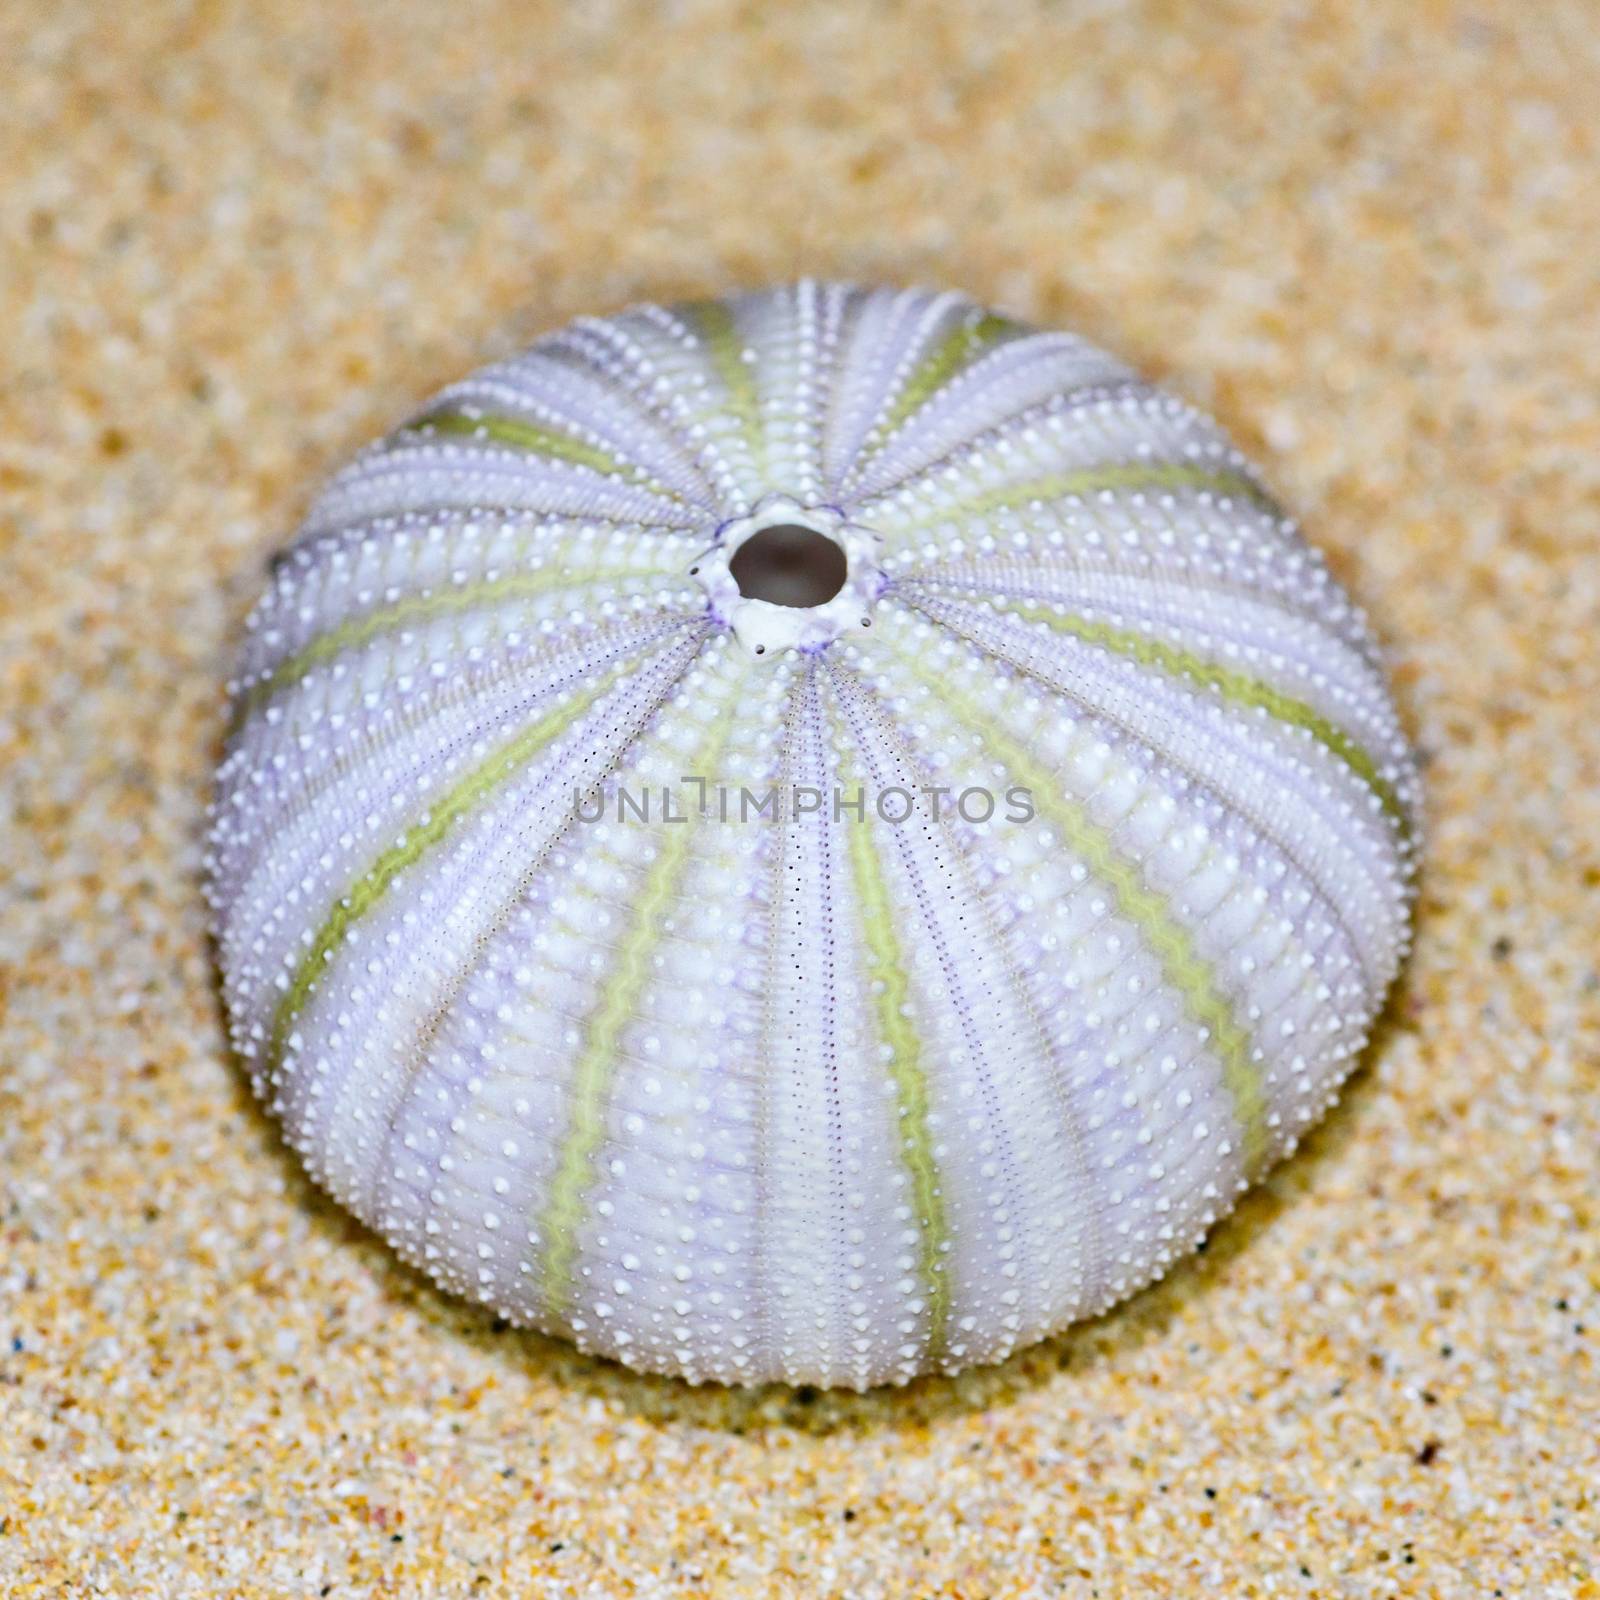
{"points": [[819, 836]]}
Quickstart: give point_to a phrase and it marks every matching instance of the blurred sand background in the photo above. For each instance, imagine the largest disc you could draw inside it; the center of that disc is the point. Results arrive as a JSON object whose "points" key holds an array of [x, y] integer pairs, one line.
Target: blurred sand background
{"points": [[237, 240]]}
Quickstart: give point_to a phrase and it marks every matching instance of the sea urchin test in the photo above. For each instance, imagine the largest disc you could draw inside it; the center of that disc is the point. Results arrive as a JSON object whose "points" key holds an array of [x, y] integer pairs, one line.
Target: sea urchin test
{"points": [[818, 836]]}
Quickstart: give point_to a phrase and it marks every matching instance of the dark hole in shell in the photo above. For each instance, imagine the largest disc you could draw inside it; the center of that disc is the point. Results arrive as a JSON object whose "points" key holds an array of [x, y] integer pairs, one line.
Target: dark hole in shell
{"points": [[789, 565]]}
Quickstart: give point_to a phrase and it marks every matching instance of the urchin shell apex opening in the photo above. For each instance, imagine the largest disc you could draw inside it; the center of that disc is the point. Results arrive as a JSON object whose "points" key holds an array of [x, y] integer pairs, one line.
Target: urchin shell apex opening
{"points": [[833, 1092]]}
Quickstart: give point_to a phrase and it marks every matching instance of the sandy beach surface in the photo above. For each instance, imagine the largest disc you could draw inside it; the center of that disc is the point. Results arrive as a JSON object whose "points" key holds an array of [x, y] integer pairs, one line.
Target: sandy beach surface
{"points": [[238, 240]]}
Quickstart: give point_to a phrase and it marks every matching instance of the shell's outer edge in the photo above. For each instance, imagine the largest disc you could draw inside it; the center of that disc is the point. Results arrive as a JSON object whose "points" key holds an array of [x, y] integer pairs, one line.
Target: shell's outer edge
{"points": [[530, 941]]}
